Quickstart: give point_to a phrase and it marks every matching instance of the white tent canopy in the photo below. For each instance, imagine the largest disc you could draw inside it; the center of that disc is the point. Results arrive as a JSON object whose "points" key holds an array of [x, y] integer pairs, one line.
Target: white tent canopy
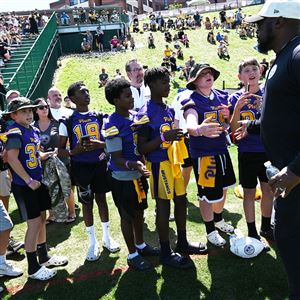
{"points": [[196, 2]]}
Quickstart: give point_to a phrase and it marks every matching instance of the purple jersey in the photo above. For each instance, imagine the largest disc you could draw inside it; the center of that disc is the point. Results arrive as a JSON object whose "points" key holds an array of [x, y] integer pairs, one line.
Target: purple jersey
{"points": [[205, 108], [28, 153], [252, 143], [119, 126], [160, 118], [80, 124]]}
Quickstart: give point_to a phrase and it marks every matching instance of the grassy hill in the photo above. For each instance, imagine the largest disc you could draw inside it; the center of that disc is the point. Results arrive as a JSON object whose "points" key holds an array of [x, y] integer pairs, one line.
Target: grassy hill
{"points": [[217, 276]]}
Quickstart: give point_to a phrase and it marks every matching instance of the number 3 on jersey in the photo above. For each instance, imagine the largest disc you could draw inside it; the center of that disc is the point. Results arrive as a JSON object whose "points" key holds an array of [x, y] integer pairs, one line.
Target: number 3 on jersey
{"points": [[33, 160]]}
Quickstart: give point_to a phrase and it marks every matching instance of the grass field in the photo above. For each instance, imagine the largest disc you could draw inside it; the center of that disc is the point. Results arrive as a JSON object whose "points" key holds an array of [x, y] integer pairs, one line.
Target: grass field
{"points": [[219, 275]]}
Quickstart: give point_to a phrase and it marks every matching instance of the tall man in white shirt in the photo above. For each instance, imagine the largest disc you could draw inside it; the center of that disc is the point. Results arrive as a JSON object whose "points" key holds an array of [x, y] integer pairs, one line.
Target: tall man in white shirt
{"points": [[140, 92]]}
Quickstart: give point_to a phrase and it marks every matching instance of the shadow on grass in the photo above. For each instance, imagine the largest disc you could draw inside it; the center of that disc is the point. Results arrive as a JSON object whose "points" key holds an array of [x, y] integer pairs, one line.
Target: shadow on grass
{"points": [[15, 216], [139, 285], [59, 232], [175, 282], [258, 278]]}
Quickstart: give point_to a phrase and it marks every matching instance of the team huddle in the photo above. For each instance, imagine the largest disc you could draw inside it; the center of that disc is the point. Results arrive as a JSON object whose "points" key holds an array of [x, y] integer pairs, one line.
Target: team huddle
{"points": [[130, 151]]}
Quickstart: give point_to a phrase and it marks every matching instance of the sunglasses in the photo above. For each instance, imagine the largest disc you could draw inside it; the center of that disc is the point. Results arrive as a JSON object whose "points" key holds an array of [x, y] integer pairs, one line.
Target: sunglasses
{"points": [[42, 107]]}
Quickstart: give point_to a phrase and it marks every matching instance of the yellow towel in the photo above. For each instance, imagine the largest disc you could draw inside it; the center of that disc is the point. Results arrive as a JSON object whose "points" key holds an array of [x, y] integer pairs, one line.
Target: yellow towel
{"points": [[139, 190], [177, 152], [207, 174]]}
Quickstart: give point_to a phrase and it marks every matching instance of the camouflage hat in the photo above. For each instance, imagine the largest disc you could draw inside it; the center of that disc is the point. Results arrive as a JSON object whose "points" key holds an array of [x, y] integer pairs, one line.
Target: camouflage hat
{"points": [[195, 72], [18, 104]]}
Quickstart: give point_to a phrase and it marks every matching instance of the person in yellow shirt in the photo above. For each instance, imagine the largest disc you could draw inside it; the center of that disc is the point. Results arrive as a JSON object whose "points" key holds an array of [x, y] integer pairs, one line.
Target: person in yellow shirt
{"points": [[167, 51]]}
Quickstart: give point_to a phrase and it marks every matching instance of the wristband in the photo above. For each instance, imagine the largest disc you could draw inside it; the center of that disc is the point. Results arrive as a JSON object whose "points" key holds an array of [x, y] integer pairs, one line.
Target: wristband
{"points": [[29, 181], [162, 137], [198, 131]]}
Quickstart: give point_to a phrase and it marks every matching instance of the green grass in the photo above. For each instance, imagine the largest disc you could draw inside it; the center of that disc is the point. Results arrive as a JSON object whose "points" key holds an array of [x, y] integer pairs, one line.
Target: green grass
{"points": [[219, 275]]}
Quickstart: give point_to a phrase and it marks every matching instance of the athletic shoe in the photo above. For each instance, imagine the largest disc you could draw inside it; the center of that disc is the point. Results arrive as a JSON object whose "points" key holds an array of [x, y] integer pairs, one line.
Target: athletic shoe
{"points": [[175, 260], [112, 246], [43, 274], [224, 227], [215, 238], [93, 252], [55, 261], [148, 251], [14, 246], [192, 248], [7, 269], [268, 234], [138, 263]]}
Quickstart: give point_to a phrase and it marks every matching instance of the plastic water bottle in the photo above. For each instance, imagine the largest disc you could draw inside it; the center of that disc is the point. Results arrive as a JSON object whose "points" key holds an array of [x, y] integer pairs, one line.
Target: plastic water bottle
{"points": [[272, 171]]}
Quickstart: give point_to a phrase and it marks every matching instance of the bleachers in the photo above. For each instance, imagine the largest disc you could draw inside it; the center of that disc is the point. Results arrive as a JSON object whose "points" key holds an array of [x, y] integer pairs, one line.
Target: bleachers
{"points": [[18, 54]]}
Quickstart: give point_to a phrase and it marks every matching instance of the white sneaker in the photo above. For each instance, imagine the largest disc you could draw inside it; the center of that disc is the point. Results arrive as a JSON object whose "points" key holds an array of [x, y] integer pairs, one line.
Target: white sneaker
{"points": [[93, 252], [43, 274], [224, 227], [7, 269], [111, 245], [215, 238]]}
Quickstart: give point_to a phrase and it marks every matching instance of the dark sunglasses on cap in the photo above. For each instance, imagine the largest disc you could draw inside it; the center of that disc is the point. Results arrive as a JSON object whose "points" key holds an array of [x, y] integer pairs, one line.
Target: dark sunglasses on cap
{"points": [[43, 107]]}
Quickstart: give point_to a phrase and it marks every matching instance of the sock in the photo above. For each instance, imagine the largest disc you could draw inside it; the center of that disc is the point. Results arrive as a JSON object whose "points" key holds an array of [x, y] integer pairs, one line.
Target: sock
{"points": [[105, 231], [218, 217], [210, 226], [91, 234], [33, 264], [265, 223], [42, 252], [252, 232], [2, 259], [132, 255], [165, 249], [141, 246], [181, 238]]}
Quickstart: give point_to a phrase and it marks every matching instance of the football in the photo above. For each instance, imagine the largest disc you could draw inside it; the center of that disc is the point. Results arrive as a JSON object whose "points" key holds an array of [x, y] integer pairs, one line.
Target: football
{"points": [[246, 247]]}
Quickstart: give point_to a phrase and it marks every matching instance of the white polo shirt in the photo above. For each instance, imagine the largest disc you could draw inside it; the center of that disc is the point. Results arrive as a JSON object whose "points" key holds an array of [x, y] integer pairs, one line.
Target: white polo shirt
{"points": [[140, 98]]}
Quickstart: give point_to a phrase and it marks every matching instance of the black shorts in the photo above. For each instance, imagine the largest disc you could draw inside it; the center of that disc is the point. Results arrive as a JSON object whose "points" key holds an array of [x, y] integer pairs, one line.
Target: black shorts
{"points": [[90, 179], [224, 178], [126, 198], [31, 203], [188, 162], [251, 167]]}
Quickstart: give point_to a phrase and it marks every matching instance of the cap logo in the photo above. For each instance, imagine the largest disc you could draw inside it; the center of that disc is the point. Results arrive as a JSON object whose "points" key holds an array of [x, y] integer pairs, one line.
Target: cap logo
{"points": [[276, 11]]}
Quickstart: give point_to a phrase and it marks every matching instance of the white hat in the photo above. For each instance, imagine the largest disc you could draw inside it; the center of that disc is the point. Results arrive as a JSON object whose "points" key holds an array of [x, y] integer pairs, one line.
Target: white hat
{"points": [[289, 9]]}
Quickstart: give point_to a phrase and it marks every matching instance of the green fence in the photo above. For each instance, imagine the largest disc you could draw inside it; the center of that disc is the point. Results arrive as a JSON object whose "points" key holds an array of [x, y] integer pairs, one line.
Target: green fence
{"points": [[25, 74]]}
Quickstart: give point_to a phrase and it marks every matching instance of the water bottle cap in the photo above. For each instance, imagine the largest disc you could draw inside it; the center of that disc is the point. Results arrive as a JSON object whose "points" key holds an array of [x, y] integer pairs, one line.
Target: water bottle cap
{"points": [[267, 164]]}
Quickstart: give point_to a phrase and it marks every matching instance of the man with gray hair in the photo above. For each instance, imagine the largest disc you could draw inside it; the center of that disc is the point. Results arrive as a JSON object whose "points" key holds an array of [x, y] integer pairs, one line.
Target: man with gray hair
{"points": [[140, 92]]}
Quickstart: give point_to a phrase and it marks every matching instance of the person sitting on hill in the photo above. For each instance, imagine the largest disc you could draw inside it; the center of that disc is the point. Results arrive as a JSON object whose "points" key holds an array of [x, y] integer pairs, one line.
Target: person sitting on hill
{"points": [[180, 54], [211, 38], [219, 37], [242, 33], [145, 27], [215, 23], [103, 78], [151, 44], [166, 63], [223, 51], [207, 24], [185, 41], [85, 46], [114, 43], [167, 51], [168, 37]]}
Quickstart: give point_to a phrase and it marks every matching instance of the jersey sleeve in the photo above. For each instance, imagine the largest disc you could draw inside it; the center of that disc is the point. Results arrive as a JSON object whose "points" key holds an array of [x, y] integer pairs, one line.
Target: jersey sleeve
{"points": [[111, 129], [187, 104], [232, 102]]}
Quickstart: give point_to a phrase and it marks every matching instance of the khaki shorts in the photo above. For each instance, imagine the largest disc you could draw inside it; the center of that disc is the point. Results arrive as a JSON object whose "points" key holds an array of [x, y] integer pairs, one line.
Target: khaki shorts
{"points": [[5, 183], [5, 221]]}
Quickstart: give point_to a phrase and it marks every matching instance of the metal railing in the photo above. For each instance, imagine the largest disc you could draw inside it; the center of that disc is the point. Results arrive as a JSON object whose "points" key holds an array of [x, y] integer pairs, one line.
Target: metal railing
{"points": [[27, 70]]}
